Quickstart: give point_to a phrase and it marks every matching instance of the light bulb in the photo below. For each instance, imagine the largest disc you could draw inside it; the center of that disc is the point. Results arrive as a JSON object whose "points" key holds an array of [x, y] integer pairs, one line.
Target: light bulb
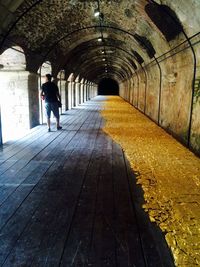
{"points": [[96, 13]]}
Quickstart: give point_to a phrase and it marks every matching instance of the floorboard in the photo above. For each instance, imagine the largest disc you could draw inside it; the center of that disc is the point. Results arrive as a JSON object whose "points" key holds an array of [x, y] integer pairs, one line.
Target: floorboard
{"points": [[68, 198]]}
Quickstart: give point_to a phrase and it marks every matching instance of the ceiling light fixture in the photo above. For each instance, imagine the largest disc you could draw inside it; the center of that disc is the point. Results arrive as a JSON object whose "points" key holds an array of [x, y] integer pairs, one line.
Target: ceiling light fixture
{"points": [[110, 51], [96, 13]]}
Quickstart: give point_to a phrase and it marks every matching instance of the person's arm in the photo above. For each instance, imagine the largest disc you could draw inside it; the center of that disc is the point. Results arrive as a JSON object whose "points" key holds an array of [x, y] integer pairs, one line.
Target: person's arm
{"points": [[42, 94], [57, 94]]}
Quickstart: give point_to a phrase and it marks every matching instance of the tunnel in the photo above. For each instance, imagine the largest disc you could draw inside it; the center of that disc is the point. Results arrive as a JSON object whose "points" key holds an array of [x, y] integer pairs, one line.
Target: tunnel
{"points": [[118, 184], [108, 87]]}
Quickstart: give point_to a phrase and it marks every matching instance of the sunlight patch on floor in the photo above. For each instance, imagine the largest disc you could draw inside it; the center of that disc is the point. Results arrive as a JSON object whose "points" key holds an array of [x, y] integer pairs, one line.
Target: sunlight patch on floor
{"points": [[168, 173]]}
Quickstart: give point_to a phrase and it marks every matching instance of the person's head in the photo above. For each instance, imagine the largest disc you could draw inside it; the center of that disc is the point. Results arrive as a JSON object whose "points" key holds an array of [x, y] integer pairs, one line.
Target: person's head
{"points": [[48, 77]]}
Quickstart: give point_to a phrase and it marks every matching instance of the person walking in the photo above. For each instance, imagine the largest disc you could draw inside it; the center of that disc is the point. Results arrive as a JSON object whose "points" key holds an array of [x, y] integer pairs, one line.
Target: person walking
{"points": [[51, 96]]}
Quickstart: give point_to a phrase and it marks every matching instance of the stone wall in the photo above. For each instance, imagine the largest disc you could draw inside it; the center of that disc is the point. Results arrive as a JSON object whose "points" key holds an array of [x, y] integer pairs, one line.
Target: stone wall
{"points": [[176, 92], [195, 127], [14, 103], [153, 92], [142, 90], [169, 92]]}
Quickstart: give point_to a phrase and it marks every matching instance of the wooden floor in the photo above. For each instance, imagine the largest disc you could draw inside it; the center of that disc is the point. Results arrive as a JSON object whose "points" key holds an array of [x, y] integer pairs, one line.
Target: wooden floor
{"points": [[69, 198]]}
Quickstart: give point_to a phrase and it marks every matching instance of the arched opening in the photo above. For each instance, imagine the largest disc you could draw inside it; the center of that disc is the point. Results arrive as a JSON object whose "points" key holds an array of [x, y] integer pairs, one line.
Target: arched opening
{"points": [[165, 19], [42, 71], [14, 93], [108, 86]]}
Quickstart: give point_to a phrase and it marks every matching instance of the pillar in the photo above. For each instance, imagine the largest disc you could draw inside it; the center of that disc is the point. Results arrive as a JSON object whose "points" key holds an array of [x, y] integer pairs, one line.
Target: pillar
{"points": [[85, 92], [1, 142], [81, 92], [62, 87], [66, 95], [77, 87], [33, 100], [70, 85]]}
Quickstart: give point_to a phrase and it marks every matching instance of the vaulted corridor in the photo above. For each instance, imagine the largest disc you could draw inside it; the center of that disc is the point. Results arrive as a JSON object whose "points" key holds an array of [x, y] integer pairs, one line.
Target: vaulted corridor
{"points": [[71, 200], [70, 197], [117, 183]]}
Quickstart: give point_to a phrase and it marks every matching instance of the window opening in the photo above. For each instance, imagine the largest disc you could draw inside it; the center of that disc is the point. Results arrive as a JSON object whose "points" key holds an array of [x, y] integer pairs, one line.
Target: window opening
{"points": [[165, 19], [14, 99], [145, 44]]}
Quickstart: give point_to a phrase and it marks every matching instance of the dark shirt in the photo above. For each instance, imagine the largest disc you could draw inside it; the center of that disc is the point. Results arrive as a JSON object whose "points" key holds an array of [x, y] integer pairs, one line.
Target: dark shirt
{"points": [[50, 91]]}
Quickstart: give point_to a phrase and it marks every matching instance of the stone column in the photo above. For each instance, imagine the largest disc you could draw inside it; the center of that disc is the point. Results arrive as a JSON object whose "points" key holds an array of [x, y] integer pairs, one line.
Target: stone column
{"points": [[63, 94], [89, 91], [77, 88], [81, 89], [33, 99], [95, 90], [66, 95], [73, 94], [92, 90], [1, 141], [85, 92], [70, 95]]}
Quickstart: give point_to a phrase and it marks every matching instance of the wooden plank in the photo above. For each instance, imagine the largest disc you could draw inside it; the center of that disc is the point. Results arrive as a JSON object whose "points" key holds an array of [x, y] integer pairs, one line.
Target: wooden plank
{"points": [[14, 200], [155, 249], [71, 184], [18, 146], [15, 172], [69, 199], [25, 155], [129, 250], [50, 248], [78, 242], [17, 224], [103, 238], [9, 239], [33, 150], [10, 185], [49, 185]]}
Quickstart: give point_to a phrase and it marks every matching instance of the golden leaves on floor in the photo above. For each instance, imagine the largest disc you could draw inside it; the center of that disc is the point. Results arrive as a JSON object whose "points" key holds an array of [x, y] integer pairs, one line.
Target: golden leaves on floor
{"points": [[168, 173]]}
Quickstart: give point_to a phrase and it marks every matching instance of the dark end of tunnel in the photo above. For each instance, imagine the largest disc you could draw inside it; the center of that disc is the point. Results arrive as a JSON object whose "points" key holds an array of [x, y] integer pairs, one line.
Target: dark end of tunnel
{"points": [[108, 86]]}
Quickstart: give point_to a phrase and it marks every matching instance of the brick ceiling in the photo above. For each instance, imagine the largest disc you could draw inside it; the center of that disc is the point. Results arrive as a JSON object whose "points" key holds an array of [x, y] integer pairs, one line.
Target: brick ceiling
{"points": [[66, 32]]}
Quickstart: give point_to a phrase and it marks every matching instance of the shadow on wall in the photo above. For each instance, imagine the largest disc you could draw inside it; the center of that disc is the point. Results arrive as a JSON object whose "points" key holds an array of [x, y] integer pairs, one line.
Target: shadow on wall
{"points": [[108, 87]]}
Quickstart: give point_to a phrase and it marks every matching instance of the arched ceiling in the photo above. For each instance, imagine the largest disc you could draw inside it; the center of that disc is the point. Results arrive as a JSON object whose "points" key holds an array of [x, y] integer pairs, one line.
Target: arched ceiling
{"points": [[66, 32]]}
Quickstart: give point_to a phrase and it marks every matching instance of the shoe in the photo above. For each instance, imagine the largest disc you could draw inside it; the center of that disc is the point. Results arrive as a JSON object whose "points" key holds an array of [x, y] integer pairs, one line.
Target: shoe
{"points": [[59, 128], [49, 129]]}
